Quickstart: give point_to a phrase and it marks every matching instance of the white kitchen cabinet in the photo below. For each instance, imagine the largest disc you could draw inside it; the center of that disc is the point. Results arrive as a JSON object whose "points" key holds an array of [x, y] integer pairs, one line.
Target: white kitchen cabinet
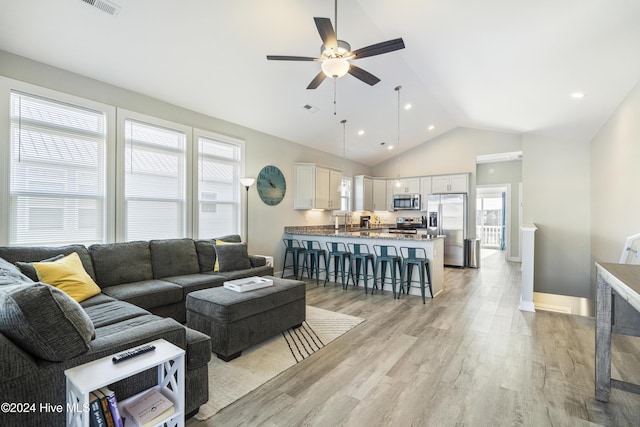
{"points": [[363, 193], [315, 187], [425, 191], [458, 183], [380, 201], [407, 186]]}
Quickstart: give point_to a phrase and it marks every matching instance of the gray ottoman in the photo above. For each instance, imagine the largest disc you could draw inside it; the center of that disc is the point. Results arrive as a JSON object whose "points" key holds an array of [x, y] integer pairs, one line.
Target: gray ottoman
{"points": [[237, 320]]}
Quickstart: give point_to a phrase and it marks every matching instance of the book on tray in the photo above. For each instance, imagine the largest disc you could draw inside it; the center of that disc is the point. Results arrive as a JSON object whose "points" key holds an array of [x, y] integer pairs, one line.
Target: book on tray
{"points": [[248, 284], [149, 408]]}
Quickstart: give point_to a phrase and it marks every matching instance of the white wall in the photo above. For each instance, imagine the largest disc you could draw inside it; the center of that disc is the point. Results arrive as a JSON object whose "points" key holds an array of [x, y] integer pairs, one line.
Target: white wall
{"points": [[556, 197], [266, 223], [453, 152], [615, 175]]}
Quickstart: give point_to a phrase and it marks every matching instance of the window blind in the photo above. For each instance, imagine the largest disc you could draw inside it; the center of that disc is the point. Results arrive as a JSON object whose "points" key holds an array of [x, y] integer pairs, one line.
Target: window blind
{"points": [[57, 172], [218, 187], [154, 181]]}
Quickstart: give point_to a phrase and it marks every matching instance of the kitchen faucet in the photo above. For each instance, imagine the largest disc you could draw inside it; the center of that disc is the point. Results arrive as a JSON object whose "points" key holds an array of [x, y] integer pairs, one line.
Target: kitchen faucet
{"points": [[347, 218]]}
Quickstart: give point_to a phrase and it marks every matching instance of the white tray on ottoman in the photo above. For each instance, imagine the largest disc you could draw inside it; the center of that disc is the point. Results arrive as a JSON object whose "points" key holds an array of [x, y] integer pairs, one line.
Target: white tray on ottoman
{"points": [[248, 284]]}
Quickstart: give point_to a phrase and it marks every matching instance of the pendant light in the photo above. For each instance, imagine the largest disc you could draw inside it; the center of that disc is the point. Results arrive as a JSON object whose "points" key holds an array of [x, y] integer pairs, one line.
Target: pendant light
{"points": [[343, 186], [398, 183]]}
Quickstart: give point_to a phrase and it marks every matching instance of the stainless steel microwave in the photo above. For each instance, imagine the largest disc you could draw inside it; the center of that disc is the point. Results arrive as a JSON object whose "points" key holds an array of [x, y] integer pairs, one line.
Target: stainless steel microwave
{"points": [[406, 202]]}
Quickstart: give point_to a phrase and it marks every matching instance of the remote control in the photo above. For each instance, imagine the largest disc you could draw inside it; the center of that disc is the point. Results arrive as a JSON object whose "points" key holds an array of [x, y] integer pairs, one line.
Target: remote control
{"points": [[133, 353]]}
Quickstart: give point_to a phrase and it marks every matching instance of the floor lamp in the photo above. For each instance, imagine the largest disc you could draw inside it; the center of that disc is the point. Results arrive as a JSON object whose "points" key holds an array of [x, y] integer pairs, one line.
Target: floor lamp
{"points": [[246, 182]]}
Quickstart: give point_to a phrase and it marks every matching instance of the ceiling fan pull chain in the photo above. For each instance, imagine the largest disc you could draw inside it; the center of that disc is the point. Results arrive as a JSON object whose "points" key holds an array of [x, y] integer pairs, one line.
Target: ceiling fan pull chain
{"points": [[335, 85]]}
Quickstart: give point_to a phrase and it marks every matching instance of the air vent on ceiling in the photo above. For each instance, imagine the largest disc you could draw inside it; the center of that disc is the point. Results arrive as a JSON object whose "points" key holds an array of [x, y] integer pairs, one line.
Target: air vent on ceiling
{"points": [[104, 5], [311, 108]]}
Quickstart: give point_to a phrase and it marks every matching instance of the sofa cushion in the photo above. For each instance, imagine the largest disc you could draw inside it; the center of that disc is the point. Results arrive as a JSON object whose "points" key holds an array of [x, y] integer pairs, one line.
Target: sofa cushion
{"points": [[232, 256], [229, 238], [117, 263], [11, 275], [29, 270], [14, 254], [146, 294], [68, 275], [241, 274], [173, 257], [257, 261], [113, 312], [206, 254], [44, 321], [195, 282], [207, 251], [98, 299]]}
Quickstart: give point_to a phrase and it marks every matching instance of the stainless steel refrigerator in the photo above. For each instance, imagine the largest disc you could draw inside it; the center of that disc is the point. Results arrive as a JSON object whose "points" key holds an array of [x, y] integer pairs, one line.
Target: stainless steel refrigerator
{"points": [[447, 216]]}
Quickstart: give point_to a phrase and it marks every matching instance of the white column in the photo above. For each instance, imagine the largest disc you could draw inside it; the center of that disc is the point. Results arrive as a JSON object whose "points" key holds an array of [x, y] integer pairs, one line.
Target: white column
{"points": [[528, 257]]}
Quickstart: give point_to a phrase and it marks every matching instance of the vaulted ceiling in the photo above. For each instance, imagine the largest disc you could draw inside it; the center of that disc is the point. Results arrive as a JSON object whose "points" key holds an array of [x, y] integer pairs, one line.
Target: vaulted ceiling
{"points": [[505, 65]]}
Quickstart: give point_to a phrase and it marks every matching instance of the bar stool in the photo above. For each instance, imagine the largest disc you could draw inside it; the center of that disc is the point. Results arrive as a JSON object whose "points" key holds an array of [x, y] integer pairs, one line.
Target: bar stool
{"points": [[387, 255], [415, 257], [338, 251], [361, 255], [312, 253], [293, 247]]}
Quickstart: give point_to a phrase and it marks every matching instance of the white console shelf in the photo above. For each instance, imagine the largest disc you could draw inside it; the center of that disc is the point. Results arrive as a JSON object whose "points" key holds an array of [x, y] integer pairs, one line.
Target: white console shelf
{"points": [[86, 378]]}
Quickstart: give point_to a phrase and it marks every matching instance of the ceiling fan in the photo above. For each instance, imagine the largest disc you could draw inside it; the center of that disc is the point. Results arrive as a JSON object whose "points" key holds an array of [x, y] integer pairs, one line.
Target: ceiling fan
{"points": [[335, 55]]}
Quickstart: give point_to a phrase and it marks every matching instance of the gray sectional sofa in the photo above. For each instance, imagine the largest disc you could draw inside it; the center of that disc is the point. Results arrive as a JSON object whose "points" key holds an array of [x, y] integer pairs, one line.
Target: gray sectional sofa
{"points": [[143, 290]]}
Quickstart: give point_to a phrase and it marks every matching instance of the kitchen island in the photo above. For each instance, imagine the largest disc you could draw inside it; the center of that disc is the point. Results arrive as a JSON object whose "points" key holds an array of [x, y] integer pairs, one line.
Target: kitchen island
{"points": [[434, 247]]}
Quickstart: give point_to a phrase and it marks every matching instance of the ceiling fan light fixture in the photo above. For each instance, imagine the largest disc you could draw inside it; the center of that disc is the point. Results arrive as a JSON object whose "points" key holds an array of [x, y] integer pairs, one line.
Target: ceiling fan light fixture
{"points": [[335, 67]]}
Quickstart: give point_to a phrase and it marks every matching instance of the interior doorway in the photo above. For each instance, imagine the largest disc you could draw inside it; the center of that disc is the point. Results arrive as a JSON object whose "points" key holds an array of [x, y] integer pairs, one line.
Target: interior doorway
{"points": [[493, 218]]}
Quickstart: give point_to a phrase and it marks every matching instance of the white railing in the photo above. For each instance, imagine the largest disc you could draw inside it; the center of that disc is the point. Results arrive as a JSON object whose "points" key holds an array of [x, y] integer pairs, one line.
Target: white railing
{"points": [[491, 235]]}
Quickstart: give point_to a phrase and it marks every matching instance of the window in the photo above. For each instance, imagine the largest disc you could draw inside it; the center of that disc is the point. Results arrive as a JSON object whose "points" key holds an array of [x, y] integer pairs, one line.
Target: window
{"points": [[57, 172], [155, 178], [67, 176], [345, 194], [218, 186]]}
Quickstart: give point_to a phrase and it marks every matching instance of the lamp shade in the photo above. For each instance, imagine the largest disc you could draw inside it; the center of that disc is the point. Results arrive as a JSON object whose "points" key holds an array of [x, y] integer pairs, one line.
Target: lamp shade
{"points": [[247, 182], [335, 67]]}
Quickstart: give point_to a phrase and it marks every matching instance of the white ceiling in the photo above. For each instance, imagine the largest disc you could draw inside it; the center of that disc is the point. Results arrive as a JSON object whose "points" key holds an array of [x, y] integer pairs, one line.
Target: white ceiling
{"points": [[506, 65]]}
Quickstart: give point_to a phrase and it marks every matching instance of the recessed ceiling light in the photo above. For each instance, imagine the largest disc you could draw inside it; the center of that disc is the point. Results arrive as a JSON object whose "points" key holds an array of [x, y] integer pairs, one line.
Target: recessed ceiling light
{"points": [[390, 147], [577, 95], [432, 127], [361, 132], [407, 107]]}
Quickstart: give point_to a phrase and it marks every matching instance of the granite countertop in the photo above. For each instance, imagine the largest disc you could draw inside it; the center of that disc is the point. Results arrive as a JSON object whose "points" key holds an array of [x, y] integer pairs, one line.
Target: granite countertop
{"points": [[367, 233]]}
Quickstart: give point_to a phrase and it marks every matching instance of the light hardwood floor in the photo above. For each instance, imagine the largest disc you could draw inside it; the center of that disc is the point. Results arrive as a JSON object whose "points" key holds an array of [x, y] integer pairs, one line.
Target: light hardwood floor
{"points": [[467, 358]]}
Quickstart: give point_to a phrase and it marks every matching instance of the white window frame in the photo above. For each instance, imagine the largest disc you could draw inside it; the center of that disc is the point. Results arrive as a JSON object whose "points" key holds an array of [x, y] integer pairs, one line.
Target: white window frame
{"points": [[8, 85], [122, 116], [197, 134]]}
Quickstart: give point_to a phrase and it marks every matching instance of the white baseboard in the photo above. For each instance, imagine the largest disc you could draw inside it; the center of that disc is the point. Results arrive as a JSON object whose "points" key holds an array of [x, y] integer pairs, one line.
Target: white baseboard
{"points": [[527, 306]]}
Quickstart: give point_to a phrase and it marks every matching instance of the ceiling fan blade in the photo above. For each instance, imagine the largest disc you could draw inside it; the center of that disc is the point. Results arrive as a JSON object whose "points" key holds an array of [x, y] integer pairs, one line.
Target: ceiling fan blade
{"points": [[317, 80], [363, 75], [327, 34], [290, 58], [378, 48]]}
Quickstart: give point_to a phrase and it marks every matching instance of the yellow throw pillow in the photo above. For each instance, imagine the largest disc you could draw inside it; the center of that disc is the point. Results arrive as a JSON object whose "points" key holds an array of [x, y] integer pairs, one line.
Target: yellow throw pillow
{"points": [[68, 275], [216, 267]]}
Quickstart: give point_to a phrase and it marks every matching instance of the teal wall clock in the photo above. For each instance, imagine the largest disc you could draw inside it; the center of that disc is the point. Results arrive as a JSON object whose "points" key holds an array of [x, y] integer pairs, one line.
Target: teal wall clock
{"points": [[271, 185]]}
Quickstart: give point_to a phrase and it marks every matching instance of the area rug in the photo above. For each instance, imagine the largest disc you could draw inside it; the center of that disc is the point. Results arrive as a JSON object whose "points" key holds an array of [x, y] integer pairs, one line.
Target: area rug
{"points": [[232, 380]]}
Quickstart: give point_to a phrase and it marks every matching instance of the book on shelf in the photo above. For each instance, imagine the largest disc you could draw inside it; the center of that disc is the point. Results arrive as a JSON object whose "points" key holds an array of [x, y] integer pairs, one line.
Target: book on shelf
{"points": [[149, 408], [248, 284], [104, 404], [112, 403], [96, 415]]}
